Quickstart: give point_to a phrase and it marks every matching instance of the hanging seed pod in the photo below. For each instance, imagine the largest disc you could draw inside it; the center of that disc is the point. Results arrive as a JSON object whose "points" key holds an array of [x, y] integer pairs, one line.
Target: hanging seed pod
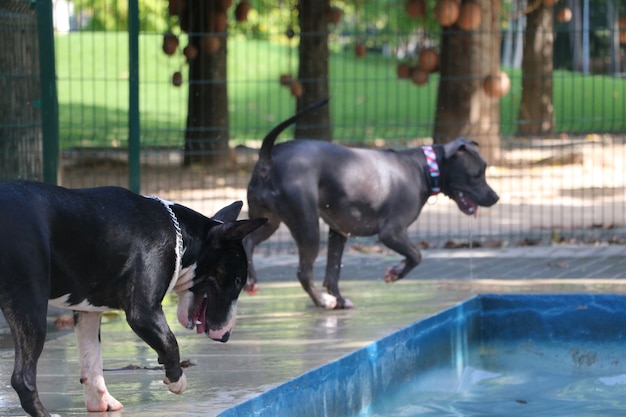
{"points": [[403, 71], [177, 79], [211, 44], [176, 7], [221, 22], [415, 8], [564, 15], [286, 79], [170, 43], [497, 85], [296, 88], [241, 10], [446, 12], [419, 76], [333, 15], [428, 60], [360, 50], [469, 16], [191, 52]]}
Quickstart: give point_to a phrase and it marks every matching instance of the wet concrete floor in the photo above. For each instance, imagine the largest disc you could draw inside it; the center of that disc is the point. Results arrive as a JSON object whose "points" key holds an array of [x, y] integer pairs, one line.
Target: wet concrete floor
{"points": [[279, 334]]}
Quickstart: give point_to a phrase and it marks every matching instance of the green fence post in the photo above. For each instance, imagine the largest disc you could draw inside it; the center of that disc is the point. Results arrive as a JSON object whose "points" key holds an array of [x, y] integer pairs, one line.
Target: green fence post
{"points": [[134, 143], [49, 99]]}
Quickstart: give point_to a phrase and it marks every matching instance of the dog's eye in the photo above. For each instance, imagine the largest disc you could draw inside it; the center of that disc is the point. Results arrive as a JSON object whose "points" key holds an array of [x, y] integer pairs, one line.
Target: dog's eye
{"points": [[238, 282]]}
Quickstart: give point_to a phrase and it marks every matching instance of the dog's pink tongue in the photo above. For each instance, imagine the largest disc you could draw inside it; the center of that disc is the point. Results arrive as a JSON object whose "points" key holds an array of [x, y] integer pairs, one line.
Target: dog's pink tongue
{"points": [[465, 203], [199, 316]]}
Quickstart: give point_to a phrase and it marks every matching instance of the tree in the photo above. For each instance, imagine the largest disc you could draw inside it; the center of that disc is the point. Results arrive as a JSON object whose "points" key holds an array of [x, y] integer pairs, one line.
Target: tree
{"points": [[20, 116], [207, 131], [468, 57], [536, 114], [313, 69]]}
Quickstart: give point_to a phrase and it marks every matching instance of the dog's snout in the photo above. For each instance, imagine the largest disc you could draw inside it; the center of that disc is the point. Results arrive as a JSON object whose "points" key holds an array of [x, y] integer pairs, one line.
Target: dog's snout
{"points": [[487, 197], [224, 338], [493, 198]]}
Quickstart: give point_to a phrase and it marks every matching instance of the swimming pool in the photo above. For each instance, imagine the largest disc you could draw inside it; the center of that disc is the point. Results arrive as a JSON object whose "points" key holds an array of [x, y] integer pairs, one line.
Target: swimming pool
{"points": [[490, 355]]}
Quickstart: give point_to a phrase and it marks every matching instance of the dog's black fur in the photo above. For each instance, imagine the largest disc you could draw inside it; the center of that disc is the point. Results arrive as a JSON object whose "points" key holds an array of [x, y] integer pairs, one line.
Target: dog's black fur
{"points": [[357, 192], [97, 249]]}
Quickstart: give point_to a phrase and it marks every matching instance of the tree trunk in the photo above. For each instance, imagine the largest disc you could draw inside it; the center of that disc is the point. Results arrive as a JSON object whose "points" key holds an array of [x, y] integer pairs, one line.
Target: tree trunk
{"points": [[536, 115], [463, 107], [612, 16], [207, 133], [313, 69], [513, 38], [20, 115], [575, 29]]}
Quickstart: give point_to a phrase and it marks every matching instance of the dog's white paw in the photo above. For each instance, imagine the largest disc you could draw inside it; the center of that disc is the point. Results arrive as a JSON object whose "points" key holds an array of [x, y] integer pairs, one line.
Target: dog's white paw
{"points": [[347, 303], [391, 275], [251, 289], [105, 403], [176, 387], [329, 302], [98, 399]]}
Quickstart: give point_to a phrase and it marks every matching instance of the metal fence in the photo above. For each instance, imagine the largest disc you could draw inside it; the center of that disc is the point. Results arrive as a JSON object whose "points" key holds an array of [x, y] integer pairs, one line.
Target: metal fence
{"points": [[569, 186]]}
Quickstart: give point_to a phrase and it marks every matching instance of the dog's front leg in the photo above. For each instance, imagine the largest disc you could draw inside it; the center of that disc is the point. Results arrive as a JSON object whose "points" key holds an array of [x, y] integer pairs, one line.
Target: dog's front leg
{"points": [[399, 241], [97, 397], [150, 324]]}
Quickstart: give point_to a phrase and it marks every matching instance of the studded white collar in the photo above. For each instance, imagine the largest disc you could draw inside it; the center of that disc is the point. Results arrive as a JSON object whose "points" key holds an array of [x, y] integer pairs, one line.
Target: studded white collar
{"points": [[179, 240]]}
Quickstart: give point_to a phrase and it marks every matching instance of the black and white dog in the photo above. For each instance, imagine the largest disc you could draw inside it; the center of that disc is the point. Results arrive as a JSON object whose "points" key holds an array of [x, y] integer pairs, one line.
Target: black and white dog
{"points": [[97, 249]]}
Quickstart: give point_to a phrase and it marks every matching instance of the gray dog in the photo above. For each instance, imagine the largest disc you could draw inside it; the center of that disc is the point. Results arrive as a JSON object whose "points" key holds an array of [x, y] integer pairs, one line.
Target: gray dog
{"points": [[357, 192]]}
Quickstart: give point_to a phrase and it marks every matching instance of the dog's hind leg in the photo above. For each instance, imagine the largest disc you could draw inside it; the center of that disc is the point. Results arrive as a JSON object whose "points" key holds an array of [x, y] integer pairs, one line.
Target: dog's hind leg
{"points": [[97, 397], [306, 233], [399, 241], [336, 244], [28, 327], [305, 276]]}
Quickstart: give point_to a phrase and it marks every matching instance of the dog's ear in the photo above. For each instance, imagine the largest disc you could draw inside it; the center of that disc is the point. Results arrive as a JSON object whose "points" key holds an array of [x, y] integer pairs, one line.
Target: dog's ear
{"points": [[229, 213], [454, 146], [237, 230]]}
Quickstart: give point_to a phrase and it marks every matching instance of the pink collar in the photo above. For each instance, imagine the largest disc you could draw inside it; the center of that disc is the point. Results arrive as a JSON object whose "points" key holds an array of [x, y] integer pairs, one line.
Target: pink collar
{"points": [[433, 169]]}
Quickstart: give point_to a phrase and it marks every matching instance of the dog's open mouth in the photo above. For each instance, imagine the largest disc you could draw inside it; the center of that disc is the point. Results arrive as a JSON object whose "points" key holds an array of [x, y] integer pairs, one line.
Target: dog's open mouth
{"points": [[465, 202], [200, 303], [192, 311]]}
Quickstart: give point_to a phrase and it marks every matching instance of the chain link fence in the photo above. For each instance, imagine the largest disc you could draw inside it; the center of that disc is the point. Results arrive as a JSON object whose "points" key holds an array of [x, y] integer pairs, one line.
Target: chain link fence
{"points": [[567, 186]]}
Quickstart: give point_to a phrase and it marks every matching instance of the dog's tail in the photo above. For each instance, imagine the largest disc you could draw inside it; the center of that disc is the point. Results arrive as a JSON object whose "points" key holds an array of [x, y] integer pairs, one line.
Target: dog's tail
{"points": [[265, 153]]}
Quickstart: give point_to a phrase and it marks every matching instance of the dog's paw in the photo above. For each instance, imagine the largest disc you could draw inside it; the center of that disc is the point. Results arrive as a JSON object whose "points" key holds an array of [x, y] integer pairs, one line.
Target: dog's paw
{"points": [[97, 397], [347, 303], [328, 301], [105, 403], [393, 274], [251, 289], [176, 387]]}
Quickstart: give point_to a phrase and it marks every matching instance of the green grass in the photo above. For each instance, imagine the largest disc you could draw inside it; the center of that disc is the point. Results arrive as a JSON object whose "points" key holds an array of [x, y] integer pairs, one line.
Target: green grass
{"points": [[368, 102]]}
